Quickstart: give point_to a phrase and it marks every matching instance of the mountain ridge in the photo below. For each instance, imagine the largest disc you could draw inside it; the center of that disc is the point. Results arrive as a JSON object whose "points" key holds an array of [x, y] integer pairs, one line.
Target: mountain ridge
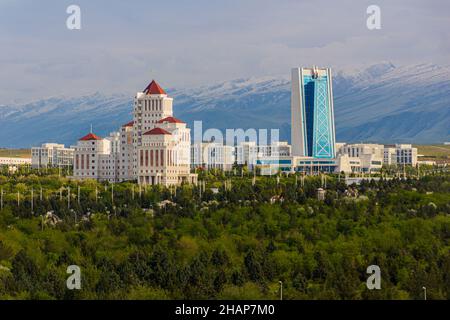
{"points": [[382, 103]]}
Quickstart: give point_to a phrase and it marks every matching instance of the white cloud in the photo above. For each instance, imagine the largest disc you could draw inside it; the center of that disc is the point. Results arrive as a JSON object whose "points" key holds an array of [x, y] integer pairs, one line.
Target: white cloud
{"points": [[124, 44]]}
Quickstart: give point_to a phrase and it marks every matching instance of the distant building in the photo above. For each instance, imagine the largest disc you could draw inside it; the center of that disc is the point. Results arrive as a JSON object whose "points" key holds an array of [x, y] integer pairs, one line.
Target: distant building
{"points": [[51, 155], [400, 154], [275, 149], [292, 164], [12, 161], [154, 148], [109, 162], [150, 106], [389, 156], [91, 152], [164, 154], [312, 113], [125, 158], [249, 153], [161, 143], [212, 155], [347, 164], [362, 157], [406, 154], [427, 162]]}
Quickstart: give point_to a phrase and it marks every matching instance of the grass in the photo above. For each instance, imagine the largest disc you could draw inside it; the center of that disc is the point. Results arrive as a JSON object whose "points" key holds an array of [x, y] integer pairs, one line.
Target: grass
{"points": [[15, 153], [439, 151]]}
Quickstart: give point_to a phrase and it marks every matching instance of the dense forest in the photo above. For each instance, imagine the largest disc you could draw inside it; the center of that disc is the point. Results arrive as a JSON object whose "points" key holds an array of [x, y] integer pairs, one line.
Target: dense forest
{"points": [[230, 237]]}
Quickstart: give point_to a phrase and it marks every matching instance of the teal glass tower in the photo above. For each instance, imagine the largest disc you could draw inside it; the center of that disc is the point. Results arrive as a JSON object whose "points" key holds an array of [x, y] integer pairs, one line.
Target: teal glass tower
{"points": [[312, 113]]}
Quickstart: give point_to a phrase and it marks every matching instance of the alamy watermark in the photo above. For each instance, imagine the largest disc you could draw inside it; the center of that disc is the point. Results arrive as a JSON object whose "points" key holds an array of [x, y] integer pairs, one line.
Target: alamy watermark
{"points": [[373, 21], [74, 280], [73, 21], [244, 146], [374, 281]]}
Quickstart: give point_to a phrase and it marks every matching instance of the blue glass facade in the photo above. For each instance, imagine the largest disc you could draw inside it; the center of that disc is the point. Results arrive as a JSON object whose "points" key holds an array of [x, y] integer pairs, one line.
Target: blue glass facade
{"points": [[318, 114]]}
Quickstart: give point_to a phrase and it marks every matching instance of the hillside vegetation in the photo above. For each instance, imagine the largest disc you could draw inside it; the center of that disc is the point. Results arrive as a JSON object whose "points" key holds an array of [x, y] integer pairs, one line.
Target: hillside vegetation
{"points": [[237, 243]]}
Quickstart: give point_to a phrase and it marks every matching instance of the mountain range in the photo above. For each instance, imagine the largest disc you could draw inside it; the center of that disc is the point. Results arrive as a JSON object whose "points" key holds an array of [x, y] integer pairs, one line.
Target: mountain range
{"points": [[382, 103]]}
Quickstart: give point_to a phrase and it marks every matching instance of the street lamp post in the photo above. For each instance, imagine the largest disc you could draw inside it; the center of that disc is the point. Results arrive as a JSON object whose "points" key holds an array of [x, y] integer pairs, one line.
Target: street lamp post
{"points": [[424, 293], [281, 289]]}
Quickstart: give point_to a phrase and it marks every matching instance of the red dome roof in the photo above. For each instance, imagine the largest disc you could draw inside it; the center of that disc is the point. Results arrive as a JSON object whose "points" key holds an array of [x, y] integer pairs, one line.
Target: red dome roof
{"points": [[157, 131], [154, 88], [90, 136], [129, 124], [171, 120]]}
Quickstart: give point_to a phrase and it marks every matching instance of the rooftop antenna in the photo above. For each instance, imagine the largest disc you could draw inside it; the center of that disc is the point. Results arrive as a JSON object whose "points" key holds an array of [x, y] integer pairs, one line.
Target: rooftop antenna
{"points": [[315, 72], [91, 127]]}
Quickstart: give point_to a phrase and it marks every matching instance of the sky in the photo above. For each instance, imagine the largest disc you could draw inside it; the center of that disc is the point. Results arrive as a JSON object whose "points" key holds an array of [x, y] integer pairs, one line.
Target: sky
{"points": [[122, 45]]}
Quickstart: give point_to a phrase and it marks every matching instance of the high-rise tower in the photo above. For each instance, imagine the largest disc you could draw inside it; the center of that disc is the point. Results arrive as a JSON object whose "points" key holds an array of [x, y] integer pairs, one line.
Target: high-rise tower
{"points": [[150, 106], [161, 142], [312, 113]]}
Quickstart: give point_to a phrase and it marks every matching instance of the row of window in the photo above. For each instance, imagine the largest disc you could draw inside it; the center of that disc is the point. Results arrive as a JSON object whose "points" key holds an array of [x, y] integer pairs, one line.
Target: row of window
{"points": [[158, 157], [81, 164]]}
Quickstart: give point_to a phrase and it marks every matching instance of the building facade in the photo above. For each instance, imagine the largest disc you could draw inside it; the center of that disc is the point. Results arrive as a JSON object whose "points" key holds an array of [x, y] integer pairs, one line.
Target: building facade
{"points": [[164, 154], [126, 152], [370, 157], [406, 154], [51, 155], [13, 161], [212, 155], [154, 148], [91, 152], [150, 106], [292, 164], [400, 154], [312, 113], [249, 153], [389, 156]]}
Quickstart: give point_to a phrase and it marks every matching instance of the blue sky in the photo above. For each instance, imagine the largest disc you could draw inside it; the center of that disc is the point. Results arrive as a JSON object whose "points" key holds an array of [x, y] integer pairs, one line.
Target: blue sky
{"points": [[124, 44]]}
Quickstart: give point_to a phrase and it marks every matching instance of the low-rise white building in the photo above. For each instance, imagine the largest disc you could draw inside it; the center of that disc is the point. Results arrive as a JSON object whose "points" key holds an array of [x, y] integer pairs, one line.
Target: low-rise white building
{"points": [[426, 162], [51, 155], [348, 164], [400, 154], [389, 156], [249, 152], [360, 157], [212, 155], [292, 164], [125, 165], [406, 154], [109, 162], [91, 154], [13, 161]]}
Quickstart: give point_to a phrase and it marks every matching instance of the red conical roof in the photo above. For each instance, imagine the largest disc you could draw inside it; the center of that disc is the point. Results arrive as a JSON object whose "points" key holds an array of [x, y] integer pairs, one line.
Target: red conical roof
{"points": [[129, 124], [154, 88], [90, 136], [170, 120], [157, 131]]}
